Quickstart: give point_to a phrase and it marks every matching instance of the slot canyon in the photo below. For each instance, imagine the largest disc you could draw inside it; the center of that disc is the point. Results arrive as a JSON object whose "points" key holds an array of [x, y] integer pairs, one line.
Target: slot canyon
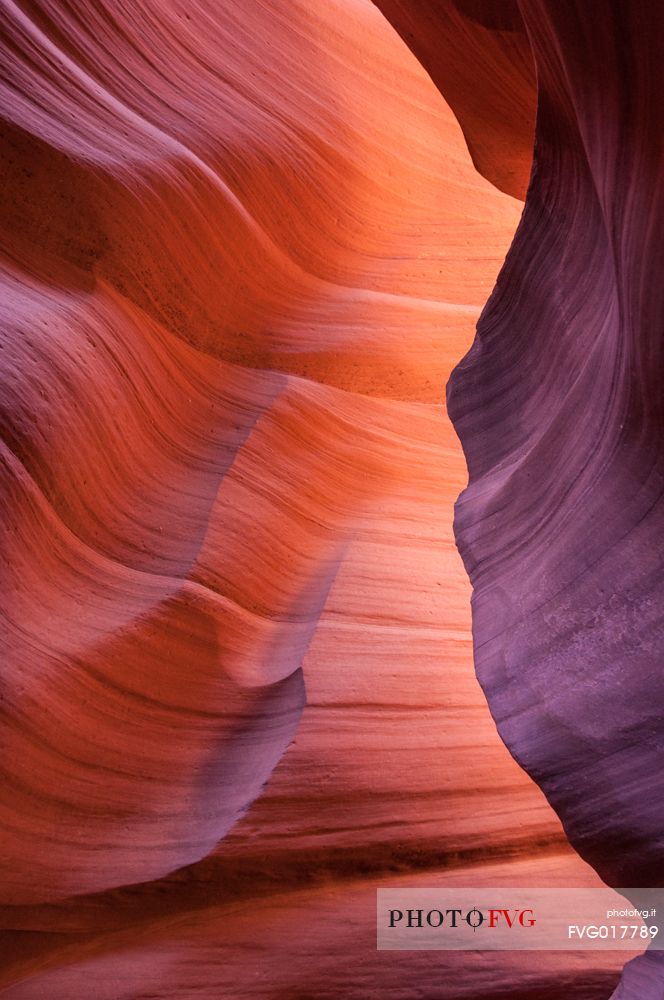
{"points": [[333, 486]]}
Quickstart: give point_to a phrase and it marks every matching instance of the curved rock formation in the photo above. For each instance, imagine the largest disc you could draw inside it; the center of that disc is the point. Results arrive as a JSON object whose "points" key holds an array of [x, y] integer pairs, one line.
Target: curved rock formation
{"points": [[558, 406], [316, 942], [478, 55], [237, 263], [242, 245]]}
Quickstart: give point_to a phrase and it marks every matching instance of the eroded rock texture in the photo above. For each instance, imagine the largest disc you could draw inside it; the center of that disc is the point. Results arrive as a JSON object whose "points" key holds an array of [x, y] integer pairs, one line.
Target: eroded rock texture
{"points": [[239, 262], [559, 408], [242, 247], [478, 54]]}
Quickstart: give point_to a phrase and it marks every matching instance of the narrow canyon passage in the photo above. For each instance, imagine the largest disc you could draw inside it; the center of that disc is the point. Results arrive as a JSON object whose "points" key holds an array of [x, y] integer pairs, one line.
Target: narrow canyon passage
{"points": [[243, 247]]}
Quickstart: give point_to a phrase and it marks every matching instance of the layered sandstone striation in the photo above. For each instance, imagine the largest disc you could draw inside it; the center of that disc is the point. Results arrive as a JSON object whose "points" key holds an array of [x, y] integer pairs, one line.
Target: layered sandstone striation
{"points": [[238, 263], [559, 409], [242, 247], [478, 54]]}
